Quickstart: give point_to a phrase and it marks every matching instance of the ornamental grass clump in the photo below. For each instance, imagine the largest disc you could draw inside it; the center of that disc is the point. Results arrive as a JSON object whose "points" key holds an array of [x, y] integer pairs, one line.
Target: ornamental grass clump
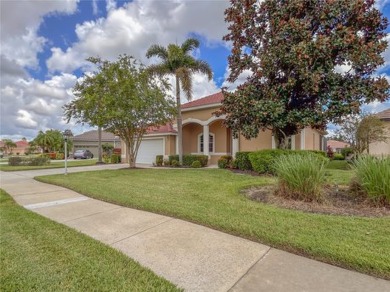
{"points": [[373, 178], [300, 177]]}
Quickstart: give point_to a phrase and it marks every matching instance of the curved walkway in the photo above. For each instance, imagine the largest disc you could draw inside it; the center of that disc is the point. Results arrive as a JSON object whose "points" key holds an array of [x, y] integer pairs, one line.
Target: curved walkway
{"points": [[194, 257]]}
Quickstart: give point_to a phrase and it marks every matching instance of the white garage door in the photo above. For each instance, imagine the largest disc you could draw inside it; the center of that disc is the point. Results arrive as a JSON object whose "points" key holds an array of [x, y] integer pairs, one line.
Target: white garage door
{"points": [[149, 149]]}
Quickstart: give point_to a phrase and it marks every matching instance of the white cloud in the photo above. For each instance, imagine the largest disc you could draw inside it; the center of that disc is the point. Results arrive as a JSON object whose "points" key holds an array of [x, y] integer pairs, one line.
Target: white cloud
{"points": [[110, 5], [133, 28], [240, 80], [19, 23], [25, 120]]}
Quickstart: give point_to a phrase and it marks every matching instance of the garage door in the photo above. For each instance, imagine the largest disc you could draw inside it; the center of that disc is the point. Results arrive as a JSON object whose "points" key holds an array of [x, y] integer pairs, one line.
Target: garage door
{"points": [[149, 149]]}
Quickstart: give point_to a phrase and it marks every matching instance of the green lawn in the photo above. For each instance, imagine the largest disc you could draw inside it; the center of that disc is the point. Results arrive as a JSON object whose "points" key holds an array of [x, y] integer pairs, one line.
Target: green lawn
{"points": [[38, 254], [212, 198], [53, 164]]}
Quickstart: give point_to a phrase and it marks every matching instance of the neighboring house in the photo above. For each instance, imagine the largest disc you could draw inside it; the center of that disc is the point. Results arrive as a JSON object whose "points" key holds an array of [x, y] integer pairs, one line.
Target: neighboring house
{"points": [[382, 148], [90, 140], [336, 146], [21, 147], [201, 127]]}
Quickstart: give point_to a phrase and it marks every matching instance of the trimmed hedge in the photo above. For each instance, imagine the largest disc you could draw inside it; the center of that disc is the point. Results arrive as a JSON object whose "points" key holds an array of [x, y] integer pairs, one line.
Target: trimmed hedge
{"points": [[30, 161], [225, 161], [159, 160], [242, 161], [189, 159], [263, 161], [115, 158]]}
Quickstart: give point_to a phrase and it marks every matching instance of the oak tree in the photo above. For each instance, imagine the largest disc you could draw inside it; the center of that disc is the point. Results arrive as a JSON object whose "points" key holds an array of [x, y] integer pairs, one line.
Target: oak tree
{"points": [[130, 101]]}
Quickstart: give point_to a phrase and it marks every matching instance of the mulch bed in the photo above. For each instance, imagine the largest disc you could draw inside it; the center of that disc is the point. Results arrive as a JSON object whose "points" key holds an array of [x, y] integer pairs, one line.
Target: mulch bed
{"points": [[337, 200]]}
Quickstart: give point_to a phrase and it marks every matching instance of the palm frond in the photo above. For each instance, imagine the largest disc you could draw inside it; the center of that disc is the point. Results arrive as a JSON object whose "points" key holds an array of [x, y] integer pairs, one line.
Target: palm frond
{"points": [[189, 45], [158, 51], [201, 67], [185, 78], [159, 69]]}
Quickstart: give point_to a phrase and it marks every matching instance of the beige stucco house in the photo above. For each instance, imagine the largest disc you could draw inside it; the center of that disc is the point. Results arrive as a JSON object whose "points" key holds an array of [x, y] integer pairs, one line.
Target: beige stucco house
{"points": [[204, 133], [382, 148]]}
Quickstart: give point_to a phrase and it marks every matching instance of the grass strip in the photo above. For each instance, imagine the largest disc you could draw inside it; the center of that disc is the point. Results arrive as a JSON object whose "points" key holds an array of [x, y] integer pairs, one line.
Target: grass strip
{"points": [[212, 198], [53, 164], [38, 254]]}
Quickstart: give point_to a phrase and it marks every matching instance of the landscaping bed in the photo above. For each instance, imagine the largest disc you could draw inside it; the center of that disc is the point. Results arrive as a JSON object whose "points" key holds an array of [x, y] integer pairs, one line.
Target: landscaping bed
{"points": [[337, 200]]}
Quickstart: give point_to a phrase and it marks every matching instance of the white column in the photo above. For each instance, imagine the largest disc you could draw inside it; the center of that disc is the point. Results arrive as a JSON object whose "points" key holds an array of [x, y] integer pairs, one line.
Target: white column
{"points": [[293, 142], [206, 141], [273, 142], [235, 147], [303, 139]]}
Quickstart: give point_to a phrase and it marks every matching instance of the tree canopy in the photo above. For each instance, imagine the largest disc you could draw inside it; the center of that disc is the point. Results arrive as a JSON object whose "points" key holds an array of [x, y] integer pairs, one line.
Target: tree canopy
{"points": [[176, 60], [311, 62], [123, 98]]}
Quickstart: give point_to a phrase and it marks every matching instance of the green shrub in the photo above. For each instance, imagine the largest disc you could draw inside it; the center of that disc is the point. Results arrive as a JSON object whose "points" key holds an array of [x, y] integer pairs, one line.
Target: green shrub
{"points": [[338, 156], [196, 164], [106, 158], [115, 158], [346, 151], [263, 161], [188, 159], [234, 164], [166, 162], [60, 156], [225, 161], [30, 161], [15, 161], [298, 178], [159, 160], [242, 161], [373, 176], [175, 163], [38, 161]]}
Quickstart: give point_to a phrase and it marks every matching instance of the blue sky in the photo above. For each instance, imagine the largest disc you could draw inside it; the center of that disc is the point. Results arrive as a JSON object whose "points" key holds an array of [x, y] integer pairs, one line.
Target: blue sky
{"points": [[44, 45]]}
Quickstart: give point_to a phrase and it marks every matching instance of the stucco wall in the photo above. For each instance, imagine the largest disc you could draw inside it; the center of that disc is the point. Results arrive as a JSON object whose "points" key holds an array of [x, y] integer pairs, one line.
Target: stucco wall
{"points": [[203, 114], [263, 141], [190, 138], [382, 148]]}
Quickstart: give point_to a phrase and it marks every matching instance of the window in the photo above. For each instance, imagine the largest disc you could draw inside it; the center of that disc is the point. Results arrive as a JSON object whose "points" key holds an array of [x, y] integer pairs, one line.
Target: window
{"points": [[211, 143]]}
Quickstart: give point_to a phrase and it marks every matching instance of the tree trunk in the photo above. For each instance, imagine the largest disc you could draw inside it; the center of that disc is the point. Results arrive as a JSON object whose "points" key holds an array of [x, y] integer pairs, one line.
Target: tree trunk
{"points": [[179, 122], [130, 153], [100, 145], [280, 139]]}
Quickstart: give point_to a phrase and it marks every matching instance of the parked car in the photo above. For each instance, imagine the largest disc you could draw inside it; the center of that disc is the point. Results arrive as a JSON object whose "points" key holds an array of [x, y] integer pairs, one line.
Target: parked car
{"points": [[82, 154]]}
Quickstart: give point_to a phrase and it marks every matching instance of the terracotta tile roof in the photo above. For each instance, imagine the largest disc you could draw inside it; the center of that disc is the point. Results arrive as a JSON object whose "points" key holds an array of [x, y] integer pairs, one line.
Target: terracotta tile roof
{"points": [[384, 115], [210, 99], [336, 144], [21, 144], [168, 128], [93, 136]]}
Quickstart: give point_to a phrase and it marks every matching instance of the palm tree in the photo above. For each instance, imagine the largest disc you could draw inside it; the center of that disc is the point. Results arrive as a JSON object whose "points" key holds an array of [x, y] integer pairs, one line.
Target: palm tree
{"points": [[177, 61]]}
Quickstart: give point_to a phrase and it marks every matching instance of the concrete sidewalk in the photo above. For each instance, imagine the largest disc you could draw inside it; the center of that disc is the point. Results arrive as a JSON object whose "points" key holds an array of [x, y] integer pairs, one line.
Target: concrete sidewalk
{"points": [[194, 257]]}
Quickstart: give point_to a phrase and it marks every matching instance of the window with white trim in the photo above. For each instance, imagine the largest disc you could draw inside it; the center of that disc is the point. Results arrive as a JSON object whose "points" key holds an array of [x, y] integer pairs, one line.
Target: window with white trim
{"points": [[211, 143]]}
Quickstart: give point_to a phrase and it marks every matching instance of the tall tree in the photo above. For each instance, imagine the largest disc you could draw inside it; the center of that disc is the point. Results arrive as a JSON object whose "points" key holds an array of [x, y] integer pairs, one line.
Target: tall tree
{"points": [[311, 62], [133, 101], [370, 130], [362, 130], [176, 60], [8, 145]]}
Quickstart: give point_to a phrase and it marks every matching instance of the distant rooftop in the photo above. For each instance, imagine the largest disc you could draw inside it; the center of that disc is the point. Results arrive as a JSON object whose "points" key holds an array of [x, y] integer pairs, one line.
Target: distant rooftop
{"points": [[93, 136], [384, 115]]}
